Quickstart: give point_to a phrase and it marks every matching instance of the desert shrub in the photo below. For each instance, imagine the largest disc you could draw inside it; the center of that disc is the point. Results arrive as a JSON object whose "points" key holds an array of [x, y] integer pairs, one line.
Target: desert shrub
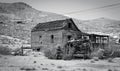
{"points": [[44, 68], [34, 61], [115, 54], [50, 53], [95, 58], [20, 22], [84, 69], [5, 50], [59, 67], [97, 53], [92, 61], [113, 50], [67, 57], [28, 68], [17, 51], [109, 69], [110, 60]]}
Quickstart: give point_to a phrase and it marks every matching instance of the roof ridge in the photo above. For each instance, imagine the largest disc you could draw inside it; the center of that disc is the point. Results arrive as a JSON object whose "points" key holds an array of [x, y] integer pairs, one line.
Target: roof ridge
{"points": [[52, 25], [53, 21]]}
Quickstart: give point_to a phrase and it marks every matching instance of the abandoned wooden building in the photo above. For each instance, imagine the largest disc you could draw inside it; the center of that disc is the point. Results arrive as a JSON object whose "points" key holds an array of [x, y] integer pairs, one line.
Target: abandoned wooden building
{"points": [[53, 33], [59, 32], [98, 41]]}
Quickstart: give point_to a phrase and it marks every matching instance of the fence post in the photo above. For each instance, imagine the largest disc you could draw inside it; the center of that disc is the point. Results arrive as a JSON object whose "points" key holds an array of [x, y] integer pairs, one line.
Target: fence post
{"points": [[22, 50]]}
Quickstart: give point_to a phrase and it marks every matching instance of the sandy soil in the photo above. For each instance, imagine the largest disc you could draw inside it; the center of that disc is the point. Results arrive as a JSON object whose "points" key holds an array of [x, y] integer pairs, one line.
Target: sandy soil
{"points": [[41, 63]]}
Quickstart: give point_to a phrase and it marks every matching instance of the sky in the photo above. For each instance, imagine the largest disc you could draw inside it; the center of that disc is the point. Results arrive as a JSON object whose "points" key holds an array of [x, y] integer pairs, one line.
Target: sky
{"points": [[81, 9]]}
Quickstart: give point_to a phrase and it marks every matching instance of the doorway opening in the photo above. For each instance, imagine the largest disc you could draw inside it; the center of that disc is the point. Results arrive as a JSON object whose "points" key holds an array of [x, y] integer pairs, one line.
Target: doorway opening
{"points": [[69, 37]]}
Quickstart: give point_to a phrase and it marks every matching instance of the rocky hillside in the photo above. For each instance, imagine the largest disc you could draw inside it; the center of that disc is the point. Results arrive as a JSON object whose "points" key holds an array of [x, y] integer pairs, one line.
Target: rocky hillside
{"points": [[101, 26], [17, 19]]}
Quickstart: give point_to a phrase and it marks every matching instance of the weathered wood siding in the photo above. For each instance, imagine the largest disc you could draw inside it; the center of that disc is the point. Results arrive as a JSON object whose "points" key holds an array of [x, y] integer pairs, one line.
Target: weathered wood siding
{"points": [[42, 39], [67, 33], [45, 40]]}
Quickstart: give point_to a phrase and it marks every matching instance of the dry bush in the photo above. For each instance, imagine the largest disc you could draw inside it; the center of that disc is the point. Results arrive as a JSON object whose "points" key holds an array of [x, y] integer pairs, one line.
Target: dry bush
{"points": [[28, 68], [92, 61], [50, 53], [34, 61], [110, 60], [17, 51], [114, 50], [67, 57], [59, 67], [5, 50], [116, 54], [45, 69], [95, 58], [109, 69], [107, 52], [84, 69], [97, 53]]}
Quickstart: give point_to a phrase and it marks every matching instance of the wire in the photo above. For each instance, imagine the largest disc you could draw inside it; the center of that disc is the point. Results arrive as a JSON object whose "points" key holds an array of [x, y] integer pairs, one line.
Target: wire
{"points": [[107, 6]]}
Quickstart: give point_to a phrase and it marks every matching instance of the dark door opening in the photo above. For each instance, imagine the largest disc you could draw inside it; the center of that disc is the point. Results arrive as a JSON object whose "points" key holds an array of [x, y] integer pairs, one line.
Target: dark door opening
{"points": [[69, 37]]}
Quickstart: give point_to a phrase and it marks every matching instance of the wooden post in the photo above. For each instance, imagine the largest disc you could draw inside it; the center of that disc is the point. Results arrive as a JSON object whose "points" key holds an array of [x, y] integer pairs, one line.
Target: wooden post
{"points": [[100, 41], [108, 41], [92, 41], [22, 50]]}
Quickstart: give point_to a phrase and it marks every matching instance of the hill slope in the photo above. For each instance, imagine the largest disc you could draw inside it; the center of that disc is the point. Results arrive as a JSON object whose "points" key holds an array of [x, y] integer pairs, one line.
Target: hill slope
{"points": [[17, 19], [101, 25]]}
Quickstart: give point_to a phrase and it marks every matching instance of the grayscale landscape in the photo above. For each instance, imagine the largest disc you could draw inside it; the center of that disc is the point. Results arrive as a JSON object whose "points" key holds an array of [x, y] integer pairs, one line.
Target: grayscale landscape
{"points": [[17, 21]]}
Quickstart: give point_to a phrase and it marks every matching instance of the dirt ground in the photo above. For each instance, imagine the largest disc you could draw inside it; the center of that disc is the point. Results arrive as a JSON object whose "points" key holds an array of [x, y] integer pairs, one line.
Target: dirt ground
{"points": [[41, 63]]}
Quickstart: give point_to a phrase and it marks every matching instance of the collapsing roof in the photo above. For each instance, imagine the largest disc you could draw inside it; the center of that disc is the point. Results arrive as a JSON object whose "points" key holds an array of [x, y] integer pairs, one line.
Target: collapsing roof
{"points": [[52, 25], [60, 24]]}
